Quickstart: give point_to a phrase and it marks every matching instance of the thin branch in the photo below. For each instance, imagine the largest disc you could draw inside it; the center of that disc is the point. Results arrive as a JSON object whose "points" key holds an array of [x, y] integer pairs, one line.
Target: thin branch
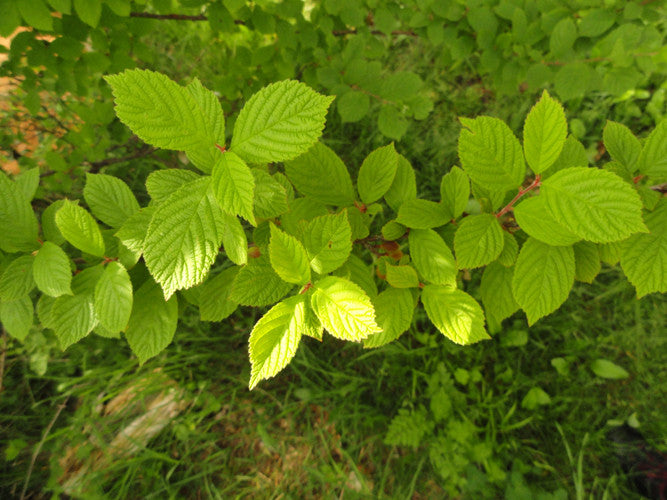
{"points": [[522, 191], [142, 153], [173, 17]]}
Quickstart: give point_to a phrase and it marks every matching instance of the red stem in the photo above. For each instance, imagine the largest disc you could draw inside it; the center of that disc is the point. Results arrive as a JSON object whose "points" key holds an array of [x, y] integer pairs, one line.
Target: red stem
{"points": [[522, 191]]}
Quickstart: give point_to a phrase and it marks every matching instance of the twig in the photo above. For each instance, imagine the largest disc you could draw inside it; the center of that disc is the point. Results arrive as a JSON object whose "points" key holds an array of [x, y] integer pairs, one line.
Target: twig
{"points": [[173, 17], [3, 354], [38, 449], [522, 191]]}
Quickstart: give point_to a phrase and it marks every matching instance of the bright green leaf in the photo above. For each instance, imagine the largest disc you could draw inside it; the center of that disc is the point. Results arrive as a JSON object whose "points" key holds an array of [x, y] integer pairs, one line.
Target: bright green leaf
{"points": [[113, 298], [72, 317], [377, 173], [432, 257], [52, 271], [133, 232], [587, 261], [455, 314], [653, 158], [288, 257], [402, 276], [422, 214], [510, 250], [478, 241], [234, 186], [110, 199], [234, 240], [536, 221], [162, 183], [544, 133], [214, 301], [270, 198], [455, 192], [496, 292], [80, 229], [257, 284], [394, 308], [17, 278], [621, 144], [404, 186], [205, 156], [328, 241]]}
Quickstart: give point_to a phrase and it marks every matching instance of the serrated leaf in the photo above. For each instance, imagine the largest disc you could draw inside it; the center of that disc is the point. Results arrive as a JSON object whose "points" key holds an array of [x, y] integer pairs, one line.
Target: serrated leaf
{"points": [[288, 257], [183, 237], [478, 241], [234, 186], [152, 322], [51, 270], [328, 241], [653, 158], [113, 298], [394, 308], [544, 133], [257, 284], [72, 318], [604, 368], [391, 122], [214, 301], [344, 309], [85, 281], [536, 221], [270, 197], [496, 292], [572, 155], [594, 204], [610, 253], [110, 199], [275, 338], [204, 157], [28, 182], [621, 144], [303, 210], [18, 222], [392, 230], [402, 276], [358, 272], [510, 250], [455, 192], [408, 428], [404, 186], [17, 278], [49, 228], [490, 154], [133, 231], [279, 122], [359, 223], [17, 317], [587, 261], [322, 175], [543, 277], [455, 314], [80, 229], [44, 306], [89, 11], [432, 257], [353, 106], [162, 183], [422, 214], [377, 173], [234, 240]]}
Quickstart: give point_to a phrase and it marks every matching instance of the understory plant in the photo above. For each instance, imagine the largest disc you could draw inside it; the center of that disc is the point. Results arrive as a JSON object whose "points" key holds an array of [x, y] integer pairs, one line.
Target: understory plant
{"points": [[273, 218]]}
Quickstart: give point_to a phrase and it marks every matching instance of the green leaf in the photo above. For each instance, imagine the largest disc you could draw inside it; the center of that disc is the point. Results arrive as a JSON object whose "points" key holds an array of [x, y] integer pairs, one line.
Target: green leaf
{"points": [[28, 182], [159, 111], [543, 277], [644, 256], [432, 257], [534, 398], [234, 239], [490, 154], [257, 284], [72, 318], [478, 241], [214, 300], [85, 281], [391, 122], [563, 35], [422, 214], [322, 175], [621, 144], [133, 232], [510, 250], [455, 314], [52, 271], [604, 368], [653, 158], [17, 278], [36, 14], [534, 218], [572, 155], [610, 253], [594, 204], [183, 237], [275, 338], [288, 257], [18, 222], [113, 298], [455, 192], [587, 261], [344, 309], [204, 157], [17, 317], [280, 122], [353, 106], [496, 292], [392, 230], [162, 183], [234, 186], [80, 229], [377, 173], [110, 199], [328, 241], [360, 273], [408, 428], [544, 133], [404, 186], [394, 308], [270, 197], [152, 323], [49, 227], [89, 11], [402, 276]]}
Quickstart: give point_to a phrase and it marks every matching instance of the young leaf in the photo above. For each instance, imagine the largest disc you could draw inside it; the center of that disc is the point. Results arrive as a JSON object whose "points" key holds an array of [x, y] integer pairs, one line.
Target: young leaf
{"points": [[543, 277], [321, 174], [455, 314], [536, 221], [402, 276], [152, 323], [18, 222], [622, 145], [510, 250], [432, 257], [422, 214], [73, 317], [328, 241], [162, 183], [544, 133], [594, 204], [455, 192], [110, 199], [183, 237], [133, 232], [113, 298], [257, 284], [270, 197], [275, 338], [653, 158], [377, 173], [496, 292], [490, 154], [52, 271], [234, 186], [393, 309], [204, 157], [80, 229], [214, 301], [478, 241], [604, 368], [234, 240], [288, 257], [587, 261], [279, 122], [17, 317], [344, 309], [17, 278], [404, 186]]}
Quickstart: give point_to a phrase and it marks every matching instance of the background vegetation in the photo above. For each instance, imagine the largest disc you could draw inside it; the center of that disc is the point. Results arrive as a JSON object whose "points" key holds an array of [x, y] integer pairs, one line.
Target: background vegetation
{"points": [[525, 415]]}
